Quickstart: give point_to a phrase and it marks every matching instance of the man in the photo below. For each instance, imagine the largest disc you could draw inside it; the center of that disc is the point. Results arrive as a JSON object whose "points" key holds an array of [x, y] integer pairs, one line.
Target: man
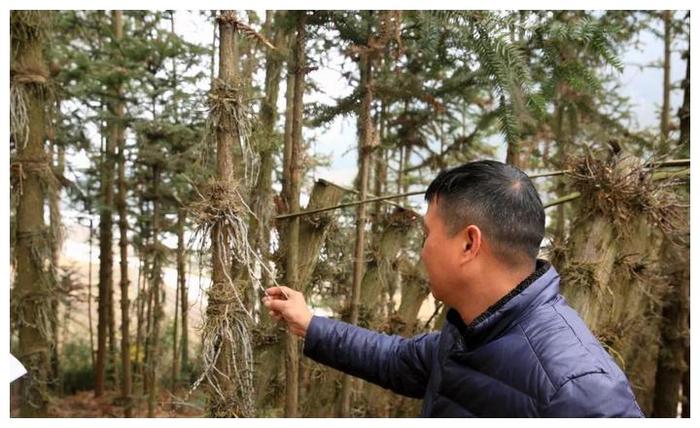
{"points": [[510, 346]]}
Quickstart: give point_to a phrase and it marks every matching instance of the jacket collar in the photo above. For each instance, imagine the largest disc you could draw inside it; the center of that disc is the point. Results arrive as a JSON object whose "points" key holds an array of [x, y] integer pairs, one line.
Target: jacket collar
{"points": [[538, 288]]}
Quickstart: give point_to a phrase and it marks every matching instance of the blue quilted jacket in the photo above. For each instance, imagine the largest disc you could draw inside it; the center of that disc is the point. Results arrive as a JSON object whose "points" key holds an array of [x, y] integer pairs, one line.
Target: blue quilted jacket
{"points": [[528, 355]]}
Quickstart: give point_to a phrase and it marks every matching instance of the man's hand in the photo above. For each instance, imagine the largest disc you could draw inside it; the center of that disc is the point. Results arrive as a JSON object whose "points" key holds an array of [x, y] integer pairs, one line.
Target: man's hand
{"points": [[285, 303]]}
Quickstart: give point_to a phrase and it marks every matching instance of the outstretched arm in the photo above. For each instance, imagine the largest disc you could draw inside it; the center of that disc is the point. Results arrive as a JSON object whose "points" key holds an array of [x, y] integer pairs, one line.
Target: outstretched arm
{"points": [[393, 362]]}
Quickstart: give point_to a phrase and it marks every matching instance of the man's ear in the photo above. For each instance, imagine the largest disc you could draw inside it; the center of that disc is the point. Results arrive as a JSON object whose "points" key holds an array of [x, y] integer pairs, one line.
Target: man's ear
{"points": [[471, 241]]}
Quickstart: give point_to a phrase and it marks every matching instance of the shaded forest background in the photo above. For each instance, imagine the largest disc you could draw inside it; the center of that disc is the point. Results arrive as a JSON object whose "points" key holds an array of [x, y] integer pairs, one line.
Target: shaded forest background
{"points": [[199, 193]]}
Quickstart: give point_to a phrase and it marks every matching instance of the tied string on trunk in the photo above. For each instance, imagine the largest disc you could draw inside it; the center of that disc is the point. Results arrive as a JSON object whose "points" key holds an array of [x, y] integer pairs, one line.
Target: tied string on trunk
{"points": [[21, 168]]}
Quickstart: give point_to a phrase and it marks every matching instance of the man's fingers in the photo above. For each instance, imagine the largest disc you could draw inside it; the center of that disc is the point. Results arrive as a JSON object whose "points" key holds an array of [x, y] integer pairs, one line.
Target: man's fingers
{"points": [[282, 292], [275, 304], [287, 291], [278, 292]]}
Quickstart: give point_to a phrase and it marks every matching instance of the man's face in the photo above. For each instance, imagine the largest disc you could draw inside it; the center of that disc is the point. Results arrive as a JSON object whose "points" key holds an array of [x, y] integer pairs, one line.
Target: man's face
{"points": [[440, 254]]}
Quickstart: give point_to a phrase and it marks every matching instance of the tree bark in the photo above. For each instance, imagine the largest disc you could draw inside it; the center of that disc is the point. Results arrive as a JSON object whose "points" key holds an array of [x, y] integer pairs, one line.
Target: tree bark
{"points": [[227, 133], [513, 154], [414, 291], [31, 294], [89, 285], [673, 364], [665, 105], [262, 196], [153, 338], [675, 335], [364, 156], [56, 244], [118, 135], [604, 277], [267, 352], [312, 232], [381, 272], [141, 313], [184, 303], [291, 189], [105, 317]]}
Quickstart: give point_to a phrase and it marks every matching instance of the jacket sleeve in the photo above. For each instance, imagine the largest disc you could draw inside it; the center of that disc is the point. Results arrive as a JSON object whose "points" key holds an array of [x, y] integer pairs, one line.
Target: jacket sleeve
{"points": [[594, 395], [392, 362]]}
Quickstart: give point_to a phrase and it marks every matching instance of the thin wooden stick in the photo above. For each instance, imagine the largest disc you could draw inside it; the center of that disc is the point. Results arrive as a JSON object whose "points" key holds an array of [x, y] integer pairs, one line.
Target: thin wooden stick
{"points": [[348, 204], [567, 198], [662, 164], [668, 163], [550, 174], [351, 190]]}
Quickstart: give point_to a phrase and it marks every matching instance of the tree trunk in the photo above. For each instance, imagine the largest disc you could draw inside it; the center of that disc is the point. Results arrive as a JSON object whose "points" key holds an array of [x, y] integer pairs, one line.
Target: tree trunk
{"points": [[607, 278], [313, 229], [684, 114], [226, 398], [673, 363], [118, 137], [380, 169], [414, 291], [291, 189], [105, 316], [513, 154], [665, 105], [154, 353], [89, 285], [312, 232], [213, 50], [31, 294], [175, 372], [267, 352], [674, 331], [141, 315], [184, 303], [629, 323], [112, 367], [684, 111], [224, 171], [364, 156], [559, 232], [262, 196], [685, 410], [148, 294], [56, 244], [381, 271]]}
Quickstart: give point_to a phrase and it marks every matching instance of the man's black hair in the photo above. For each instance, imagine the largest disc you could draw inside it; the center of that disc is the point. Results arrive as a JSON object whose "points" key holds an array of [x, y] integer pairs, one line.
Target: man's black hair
{"points": [[499, 199]]}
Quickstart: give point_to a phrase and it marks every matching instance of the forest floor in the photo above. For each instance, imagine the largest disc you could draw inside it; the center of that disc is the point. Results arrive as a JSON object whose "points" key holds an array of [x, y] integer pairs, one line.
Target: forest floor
{"points": [[83, 404]]}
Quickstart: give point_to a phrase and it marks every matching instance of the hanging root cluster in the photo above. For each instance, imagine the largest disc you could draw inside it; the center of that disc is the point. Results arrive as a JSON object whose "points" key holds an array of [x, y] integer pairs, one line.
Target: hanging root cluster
{"points": [[27, 28], [227, 338], [28, 25], [229, 112], [621, 189], [227, 354], [23, 167], [220, 214], [582, 274], [19, 122], [34, 310]]}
